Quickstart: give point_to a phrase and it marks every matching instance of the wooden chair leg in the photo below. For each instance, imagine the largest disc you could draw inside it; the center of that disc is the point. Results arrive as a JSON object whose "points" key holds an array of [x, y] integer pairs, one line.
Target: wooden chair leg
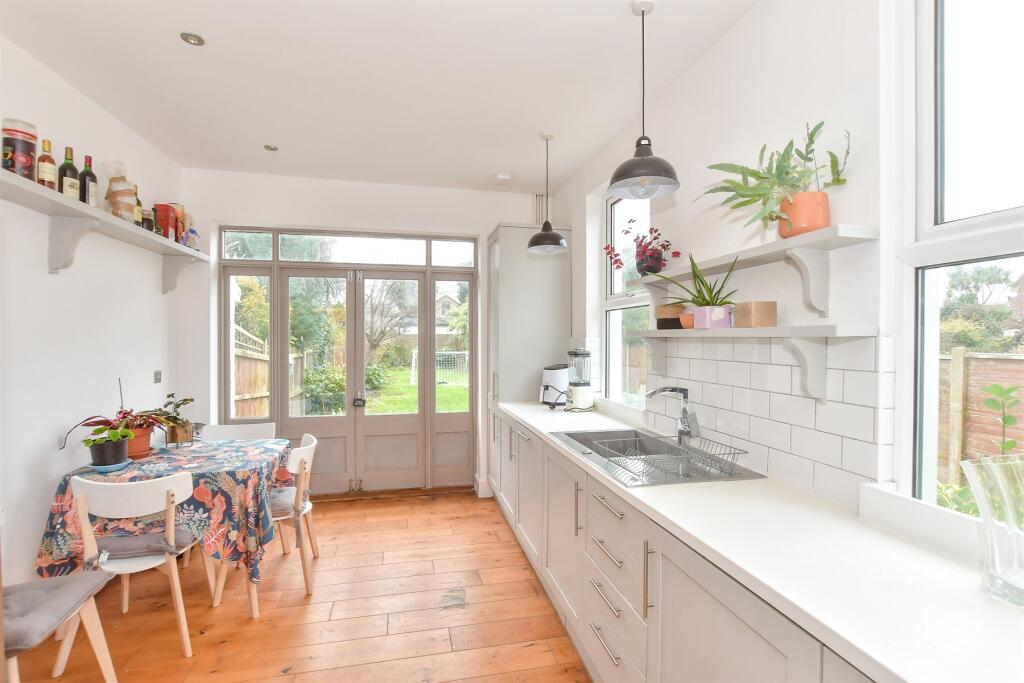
{"points": [[284, 542], [58, 635], [311, 529], [93, 629], [185, 557], [66, 643], [179, 604], [11, 671], [254, 598], [222, 577], [124, 593], [307, 569], [211, 573]]}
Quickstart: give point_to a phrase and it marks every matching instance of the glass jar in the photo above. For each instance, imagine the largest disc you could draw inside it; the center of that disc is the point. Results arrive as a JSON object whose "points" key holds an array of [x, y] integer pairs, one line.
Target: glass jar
{"points": [[20, 148]]}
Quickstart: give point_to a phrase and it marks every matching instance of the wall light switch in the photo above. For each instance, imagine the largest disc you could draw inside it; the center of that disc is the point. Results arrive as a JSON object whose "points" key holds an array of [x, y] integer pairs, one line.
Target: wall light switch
{"points": [[158, 376]]}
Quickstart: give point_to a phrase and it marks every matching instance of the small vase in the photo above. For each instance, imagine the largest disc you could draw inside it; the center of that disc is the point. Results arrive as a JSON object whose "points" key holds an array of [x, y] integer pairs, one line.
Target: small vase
{"points": [[138, 447], [109, 453], [997, 483], [712, 317], [179, 433], [807, 211], [652, 263]]}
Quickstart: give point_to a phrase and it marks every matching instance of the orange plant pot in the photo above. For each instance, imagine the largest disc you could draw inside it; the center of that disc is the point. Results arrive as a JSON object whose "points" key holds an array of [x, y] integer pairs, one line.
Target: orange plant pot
{"points": [[138, 447], [687, 320], [807, 211]]}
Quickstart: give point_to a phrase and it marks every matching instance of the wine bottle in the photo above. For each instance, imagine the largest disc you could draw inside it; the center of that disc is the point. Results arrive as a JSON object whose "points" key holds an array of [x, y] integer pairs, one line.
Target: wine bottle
{"points": [[138, 207], [67, 175], [46, 168], [88, 191]]}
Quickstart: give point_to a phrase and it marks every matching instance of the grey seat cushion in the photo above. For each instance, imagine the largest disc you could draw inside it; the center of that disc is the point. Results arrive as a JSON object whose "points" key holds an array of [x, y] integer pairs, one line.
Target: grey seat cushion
{"points": [[34, 610], [121, 547], [282, 501]]}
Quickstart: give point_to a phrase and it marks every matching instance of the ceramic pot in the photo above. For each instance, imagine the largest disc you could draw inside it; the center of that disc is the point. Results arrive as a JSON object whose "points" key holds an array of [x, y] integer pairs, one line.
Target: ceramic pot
{"points": [[650, 264], [686, 319], [179, 433], [712, 317], [109, 453], [807, 211], [138, 447]]}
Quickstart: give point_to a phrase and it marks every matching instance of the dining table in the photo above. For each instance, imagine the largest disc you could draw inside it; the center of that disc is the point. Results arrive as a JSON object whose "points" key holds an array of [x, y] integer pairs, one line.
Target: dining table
{"points": [[228, 512]]}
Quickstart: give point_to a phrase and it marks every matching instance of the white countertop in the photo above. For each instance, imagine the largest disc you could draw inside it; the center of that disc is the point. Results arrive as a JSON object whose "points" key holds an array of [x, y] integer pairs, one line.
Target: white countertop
{"points": [[893, 609]]}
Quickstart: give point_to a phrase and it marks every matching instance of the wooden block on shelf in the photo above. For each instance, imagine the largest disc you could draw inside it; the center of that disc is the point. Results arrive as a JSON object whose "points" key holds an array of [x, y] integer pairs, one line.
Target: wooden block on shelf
{"points": [[756, 314]]}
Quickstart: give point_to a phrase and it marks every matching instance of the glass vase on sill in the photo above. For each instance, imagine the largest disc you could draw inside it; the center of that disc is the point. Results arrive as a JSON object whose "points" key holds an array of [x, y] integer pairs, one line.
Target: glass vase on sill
{"points": [[998, 485]]}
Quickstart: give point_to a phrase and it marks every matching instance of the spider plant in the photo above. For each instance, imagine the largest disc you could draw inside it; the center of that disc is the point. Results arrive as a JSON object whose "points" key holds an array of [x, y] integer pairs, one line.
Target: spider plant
{"points": [[704, 293]]}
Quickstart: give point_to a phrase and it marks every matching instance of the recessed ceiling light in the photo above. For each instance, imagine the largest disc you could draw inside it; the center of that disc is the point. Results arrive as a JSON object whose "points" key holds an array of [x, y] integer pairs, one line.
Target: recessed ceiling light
{"points": [[502, 178], [271, 148], [193, 39]]}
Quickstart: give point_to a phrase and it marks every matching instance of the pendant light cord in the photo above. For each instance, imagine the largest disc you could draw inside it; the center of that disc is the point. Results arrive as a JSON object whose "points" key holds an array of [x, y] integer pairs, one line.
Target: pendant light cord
{"points": [[547, 169], [643, 75]]}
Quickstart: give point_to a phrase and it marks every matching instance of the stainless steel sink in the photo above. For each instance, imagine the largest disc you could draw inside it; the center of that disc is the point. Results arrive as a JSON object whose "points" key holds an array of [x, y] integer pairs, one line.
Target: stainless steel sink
{"points": [[639, 458]]}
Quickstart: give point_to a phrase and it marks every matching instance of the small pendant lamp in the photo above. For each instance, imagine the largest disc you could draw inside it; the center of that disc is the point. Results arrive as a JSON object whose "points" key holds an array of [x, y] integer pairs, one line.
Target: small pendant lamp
{"points": [[547, 241], [645, 176]]}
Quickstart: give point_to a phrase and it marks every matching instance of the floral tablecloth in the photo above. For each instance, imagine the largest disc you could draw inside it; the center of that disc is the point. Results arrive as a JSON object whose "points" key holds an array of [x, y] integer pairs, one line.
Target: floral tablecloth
{"points": [[229, 510]]}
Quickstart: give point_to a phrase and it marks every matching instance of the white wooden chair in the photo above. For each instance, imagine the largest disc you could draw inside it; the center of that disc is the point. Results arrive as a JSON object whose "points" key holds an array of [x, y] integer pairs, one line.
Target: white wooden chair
{"points": [[252, 430], [129, 555], [293, 503]]}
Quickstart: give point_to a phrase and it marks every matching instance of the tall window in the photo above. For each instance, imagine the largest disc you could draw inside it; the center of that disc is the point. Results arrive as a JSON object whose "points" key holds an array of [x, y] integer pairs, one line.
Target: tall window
{"points": [[625, 366], [969, 313]]}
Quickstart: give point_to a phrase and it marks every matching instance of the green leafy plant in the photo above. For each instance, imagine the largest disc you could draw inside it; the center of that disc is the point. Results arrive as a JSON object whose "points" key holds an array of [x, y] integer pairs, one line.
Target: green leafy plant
{"points": [[959, 498], [780, 175], [704, 293], [170, 413], [1001, 400], [109, 433], [324, 388], [376, 376]]}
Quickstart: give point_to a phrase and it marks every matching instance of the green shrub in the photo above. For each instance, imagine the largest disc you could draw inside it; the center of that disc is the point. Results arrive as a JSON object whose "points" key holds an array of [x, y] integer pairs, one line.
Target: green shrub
{"points": [[324, 389], [376, 376]]}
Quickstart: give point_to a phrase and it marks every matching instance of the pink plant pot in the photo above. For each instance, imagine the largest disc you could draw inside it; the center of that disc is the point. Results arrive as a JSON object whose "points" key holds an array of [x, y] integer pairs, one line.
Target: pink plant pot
{"points": [[712, 317]]}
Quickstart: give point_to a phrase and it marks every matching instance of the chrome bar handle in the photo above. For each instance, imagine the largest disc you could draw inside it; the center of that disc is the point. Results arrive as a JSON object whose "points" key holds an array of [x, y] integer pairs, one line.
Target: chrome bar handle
{"points": [[604, 597], [576, 508], [522, 435], [602, 501], [600, 544], [644, 600], [597, 632]]}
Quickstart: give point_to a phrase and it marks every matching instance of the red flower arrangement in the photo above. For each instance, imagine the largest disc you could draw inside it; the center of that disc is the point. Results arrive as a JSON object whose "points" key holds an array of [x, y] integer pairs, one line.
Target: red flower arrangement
{"points": [[650, 253]]}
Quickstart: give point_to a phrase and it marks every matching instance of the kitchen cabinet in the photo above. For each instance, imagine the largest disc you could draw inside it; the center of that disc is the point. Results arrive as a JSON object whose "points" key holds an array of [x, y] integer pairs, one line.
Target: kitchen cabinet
{"points": [[835, 669], [528, 459], [564, 510], [506, 491], [494, 450], [704, 626]]}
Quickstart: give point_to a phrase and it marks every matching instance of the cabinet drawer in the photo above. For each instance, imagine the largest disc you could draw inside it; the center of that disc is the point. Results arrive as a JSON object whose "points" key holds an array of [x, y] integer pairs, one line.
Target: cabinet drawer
{"points": [[622, 521], [629, 629], [625, 573], [604, 650]]}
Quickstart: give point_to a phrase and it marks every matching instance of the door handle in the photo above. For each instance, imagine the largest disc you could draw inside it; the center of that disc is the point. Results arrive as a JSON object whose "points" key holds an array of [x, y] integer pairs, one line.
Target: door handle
{"points": [[600, 544], [576, 508], [615, 610], [602, 501], [597, 632], [360, 400], [644, 600]]}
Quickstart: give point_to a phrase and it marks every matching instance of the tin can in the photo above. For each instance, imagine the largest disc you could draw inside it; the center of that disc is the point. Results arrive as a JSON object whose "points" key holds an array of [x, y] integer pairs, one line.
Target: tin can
{"points": [[20, 148]]}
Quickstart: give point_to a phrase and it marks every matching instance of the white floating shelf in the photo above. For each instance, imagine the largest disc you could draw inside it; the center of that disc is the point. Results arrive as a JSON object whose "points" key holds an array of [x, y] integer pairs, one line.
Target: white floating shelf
{"points": [[810, 253], [807, 342], [70, 219]]}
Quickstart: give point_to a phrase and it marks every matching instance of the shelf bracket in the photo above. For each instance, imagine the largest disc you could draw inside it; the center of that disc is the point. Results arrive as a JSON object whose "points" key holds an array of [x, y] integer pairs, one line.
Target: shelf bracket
{"points": [[812, 355], [173, 265], [814, 268], [65, 232], [659, 355]]}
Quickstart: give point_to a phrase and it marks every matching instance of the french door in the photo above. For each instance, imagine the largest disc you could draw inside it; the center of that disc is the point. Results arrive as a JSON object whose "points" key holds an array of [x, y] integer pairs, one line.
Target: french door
{"points": [[372, 361]]}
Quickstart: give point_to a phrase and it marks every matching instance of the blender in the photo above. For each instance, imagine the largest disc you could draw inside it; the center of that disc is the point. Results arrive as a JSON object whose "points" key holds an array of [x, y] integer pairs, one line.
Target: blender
{"points": [[580, 397]]}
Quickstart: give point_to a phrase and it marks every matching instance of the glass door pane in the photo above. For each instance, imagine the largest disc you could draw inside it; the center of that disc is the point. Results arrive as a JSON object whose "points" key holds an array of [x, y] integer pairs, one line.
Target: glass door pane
{"points": [[318, 335], [451, 346], [391, 346], [249, 351]]}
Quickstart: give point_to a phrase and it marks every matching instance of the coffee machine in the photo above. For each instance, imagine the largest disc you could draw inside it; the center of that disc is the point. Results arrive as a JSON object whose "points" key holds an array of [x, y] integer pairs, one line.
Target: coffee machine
{"points": [[580, 397]]}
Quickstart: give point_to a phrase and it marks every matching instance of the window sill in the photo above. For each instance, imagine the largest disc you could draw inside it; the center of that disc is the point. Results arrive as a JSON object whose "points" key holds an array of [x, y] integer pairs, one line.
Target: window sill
{"points": [[952, 533], [620, 411]]}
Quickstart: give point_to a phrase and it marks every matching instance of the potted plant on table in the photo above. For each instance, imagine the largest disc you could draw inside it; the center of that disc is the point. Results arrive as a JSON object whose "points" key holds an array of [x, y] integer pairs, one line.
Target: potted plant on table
{"points": [[711, 303], [788, 185], [651, 250], [142, 425], [108, 440], [178, 427]]}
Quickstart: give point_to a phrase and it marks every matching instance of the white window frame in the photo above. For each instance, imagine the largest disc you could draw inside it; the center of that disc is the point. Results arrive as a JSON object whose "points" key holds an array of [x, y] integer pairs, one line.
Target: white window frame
{"points": [[612, 302]]}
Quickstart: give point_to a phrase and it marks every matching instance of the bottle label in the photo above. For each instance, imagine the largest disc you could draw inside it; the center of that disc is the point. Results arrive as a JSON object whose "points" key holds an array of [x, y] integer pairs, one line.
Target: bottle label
{"points": [[91, 195], [138, 214], [46, 172], [71, 187]]}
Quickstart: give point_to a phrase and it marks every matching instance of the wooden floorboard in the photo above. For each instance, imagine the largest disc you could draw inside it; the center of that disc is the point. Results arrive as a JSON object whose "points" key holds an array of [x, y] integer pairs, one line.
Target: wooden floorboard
{"points": [[413, 587]]}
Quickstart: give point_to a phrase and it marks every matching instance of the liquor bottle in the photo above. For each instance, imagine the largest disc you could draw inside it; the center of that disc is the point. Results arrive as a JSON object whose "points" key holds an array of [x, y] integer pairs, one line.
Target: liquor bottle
{"points": [[88, 190], [67, 175], [46, 168], [138, 207]]}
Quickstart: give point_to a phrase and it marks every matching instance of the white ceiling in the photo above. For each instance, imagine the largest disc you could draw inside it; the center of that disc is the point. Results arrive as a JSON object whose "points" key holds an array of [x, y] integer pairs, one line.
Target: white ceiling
{"points": [[423, 93]]}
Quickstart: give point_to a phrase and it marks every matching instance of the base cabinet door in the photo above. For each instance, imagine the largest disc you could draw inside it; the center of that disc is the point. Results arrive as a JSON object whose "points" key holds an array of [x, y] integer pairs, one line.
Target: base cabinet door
{"points": [[704, 627], [564, 488], [529, 459], [507, 474]]}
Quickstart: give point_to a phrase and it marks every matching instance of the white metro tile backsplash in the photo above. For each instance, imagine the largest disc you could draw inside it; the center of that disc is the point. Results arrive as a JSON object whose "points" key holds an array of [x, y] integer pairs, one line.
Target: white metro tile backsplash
{"points": [[748, 393]]}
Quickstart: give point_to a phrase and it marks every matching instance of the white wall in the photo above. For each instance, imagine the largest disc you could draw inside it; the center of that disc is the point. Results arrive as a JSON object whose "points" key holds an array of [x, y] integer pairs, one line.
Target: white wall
{"points": [[756, 85], [69, 337]]}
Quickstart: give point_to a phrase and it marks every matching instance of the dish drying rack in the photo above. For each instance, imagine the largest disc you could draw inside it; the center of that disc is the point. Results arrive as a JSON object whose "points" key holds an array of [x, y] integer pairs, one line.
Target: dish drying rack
{"points": [[651, 459]]}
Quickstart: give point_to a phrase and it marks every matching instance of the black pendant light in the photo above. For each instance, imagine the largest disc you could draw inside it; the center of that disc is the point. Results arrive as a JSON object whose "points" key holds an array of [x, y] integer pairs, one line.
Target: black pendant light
{"points": [[547, 241], [645, 176]]}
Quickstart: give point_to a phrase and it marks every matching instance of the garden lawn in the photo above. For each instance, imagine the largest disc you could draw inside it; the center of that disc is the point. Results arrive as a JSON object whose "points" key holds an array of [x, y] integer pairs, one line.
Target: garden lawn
{"points": [[400, 396]]}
